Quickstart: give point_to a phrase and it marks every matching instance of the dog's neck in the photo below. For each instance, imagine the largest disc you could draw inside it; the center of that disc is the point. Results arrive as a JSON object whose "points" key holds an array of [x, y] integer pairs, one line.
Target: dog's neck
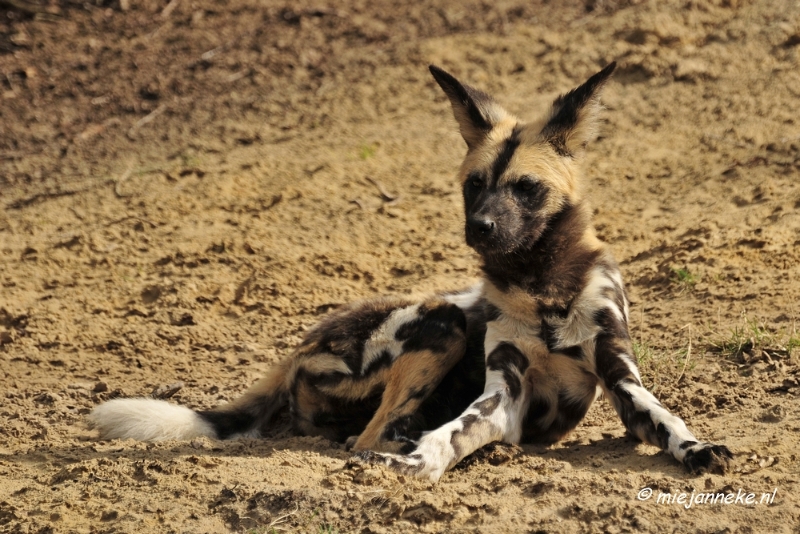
{"points": [[552, 271]]}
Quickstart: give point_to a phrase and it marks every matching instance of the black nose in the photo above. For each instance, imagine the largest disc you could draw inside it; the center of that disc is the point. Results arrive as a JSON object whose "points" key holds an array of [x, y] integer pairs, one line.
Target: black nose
{"points": [[481, 226]]}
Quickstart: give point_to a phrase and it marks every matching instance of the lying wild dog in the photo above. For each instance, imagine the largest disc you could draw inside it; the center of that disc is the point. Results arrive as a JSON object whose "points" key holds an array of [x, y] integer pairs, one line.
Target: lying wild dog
{"points": [[520, 357]]}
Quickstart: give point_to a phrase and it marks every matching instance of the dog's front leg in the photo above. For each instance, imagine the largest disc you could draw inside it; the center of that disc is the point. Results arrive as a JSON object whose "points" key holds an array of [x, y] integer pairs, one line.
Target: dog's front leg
{"points": [[643, 416], [496, 415]]}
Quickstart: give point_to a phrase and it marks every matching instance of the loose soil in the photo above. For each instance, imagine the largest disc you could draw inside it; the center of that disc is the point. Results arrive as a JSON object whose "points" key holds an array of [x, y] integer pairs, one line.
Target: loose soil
{"points": [[187, 187]]}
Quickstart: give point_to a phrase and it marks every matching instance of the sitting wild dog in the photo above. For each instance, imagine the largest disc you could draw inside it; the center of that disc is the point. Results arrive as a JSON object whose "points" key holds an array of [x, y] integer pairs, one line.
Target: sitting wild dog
{"points": [[520, 357]]}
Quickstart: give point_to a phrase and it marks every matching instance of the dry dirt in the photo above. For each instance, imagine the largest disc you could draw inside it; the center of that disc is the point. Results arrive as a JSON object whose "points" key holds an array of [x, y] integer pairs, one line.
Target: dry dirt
{"points": [[186, 187]]}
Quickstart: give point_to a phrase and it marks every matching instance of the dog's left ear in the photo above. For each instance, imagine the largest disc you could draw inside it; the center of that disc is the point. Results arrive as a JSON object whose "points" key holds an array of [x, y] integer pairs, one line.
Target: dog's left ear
{"points": [[574, 115], [475, 111]]}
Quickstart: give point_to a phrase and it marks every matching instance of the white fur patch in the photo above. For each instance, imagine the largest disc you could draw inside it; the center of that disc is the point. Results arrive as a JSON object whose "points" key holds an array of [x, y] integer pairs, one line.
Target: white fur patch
{"points": [[468, 298], [630, 361], [148, 420], [580, 325], [383, 339], [510, 330], [616, 276], [644, 401]]}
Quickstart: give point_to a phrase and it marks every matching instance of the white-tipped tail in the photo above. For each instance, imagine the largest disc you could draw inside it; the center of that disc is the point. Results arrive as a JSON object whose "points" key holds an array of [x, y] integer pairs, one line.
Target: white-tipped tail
{"points": [[148, 420]]}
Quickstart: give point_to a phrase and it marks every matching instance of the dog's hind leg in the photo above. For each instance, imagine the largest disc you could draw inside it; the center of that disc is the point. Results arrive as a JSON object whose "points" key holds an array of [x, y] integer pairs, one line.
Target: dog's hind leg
{"points": [[409, 382], [496, 415], [377, 401]]}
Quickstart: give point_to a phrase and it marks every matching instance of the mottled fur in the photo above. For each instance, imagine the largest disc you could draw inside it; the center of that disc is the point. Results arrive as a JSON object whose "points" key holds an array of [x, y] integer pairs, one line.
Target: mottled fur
{"points": [[417, 386]]}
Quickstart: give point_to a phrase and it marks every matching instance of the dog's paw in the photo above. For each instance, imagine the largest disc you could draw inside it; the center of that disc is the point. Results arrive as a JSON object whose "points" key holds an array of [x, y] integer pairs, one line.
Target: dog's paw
{"points": [[708, 458], [403, 464], [350, 443], [407, 465], [398, 446], [363, 458]]}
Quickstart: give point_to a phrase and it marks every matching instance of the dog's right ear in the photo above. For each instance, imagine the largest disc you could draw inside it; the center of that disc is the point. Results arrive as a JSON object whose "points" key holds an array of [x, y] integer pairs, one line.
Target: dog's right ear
{"points": [[475, 111], [574, 115]]}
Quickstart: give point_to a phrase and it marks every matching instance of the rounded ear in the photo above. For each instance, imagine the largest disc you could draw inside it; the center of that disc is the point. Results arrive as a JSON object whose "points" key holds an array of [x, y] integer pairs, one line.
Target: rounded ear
{"points": [[475, 111], [573, 117]]}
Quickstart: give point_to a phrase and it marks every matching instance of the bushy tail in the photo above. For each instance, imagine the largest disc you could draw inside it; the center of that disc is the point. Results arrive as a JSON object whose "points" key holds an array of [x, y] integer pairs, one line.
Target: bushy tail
{"points": [[156, 420]]}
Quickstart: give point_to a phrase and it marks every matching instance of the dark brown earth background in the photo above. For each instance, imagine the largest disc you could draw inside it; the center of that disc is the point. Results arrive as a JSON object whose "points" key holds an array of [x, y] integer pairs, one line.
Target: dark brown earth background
{"points": [[186, 187]]}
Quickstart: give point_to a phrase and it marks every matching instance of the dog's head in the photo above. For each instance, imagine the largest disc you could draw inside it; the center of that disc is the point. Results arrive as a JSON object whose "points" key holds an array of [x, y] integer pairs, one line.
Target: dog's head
{"points": [[517, 177]]}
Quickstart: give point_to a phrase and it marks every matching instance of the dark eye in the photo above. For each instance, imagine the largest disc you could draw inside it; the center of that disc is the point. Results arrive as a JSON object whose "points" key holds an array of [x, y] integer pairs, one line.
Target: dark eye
{"points": [[525, 185], [475, 181]]}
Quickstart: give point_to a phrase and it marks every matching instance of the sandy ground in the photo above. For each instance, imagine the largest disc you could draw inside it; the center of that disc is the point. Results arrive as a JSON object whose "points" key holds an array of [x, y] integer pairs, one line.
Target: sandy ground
{"points": [[185, 188]]}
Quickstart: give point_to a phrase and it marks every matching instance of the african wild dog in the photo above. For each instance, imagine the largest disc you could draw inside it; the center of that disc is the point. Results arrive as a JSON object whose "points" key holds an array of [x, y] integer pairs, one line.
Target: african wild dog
{"points": [[417, 386]]}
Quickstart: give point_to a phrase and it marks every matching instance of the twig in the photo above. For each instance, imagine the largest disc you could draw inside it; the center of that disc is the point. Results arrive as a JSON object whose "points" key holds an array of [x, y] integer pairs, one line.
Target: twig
{"points": [[77, 214], [688, 355], [281, 519], [205, 56], [166, 391], [288, 458], [146, 119], [28, 7], [40, 197], [24, 202], [382, 190], [157, 31], [11, 155], [167, 11], [394, 202], [96, 129], [357, 202], [236, 76]]}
